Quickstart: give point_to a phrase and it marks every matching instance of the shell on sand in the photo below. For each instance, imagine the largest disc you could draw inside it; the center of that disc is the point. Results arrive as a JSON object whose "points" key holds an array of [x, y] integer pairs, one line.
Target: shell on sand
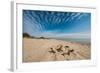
{"points": [[37, 50]]}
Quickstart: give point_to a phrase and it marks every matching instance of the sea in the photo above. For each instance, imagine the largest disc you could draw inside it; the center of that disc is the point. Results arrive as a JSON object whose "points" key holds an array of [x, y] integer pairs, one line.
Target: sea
{"points": [[76, 40]]}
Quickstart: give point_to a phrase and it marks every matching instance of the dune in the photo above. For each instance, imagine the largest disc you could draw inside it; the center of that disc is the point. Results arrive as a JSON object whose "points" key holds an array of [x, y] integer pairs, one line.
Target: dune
{"points": [[40, 50]]}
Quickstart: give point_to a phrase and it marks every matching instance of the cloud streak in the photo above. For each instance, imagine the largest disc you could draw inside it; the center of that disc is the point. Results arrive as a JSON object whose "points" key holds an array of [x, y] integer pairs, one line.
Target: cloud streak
{"points": [[38, 22]]}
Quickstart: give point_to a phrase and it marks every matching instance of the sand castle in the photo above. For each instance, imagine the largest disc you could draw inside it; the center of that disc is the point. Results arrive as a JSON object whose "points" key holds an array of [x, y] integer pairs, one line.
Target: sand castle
{"points": [[62, 50]]}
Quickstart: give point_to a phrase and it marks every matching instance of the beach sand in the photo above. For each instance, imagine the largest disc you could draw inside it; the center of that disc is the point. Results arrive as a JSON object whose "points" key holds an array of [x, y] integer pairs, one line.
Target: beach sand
{"points": [[40, 50]]}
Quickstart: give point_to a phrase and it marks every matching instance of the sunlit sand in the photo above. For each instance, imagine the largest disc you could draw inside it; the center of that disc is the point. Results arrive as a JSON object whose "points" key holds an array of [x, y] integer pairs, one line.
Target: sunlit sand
{"points": [[39, 50]]}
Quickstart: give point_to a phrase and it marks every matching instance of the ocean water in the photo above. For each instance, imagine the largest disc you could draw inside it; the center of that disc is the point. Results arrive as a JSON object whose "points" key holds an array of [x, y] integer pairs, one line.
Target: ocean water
{"points": [[82, 41]]}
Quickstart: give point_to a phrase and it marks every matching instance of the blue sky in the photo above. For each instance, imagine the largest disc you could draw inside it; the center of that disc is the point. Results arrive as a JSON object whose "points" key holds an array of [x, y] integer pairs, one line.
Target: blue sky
{"points": [[57, 24]]}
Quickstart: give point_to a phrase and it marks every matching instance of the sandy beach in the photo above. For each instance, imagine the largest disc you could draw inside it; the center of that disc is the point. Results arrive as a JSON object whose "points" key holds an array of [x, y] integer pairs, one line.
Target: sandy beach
{"points": [[38, 50]]}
